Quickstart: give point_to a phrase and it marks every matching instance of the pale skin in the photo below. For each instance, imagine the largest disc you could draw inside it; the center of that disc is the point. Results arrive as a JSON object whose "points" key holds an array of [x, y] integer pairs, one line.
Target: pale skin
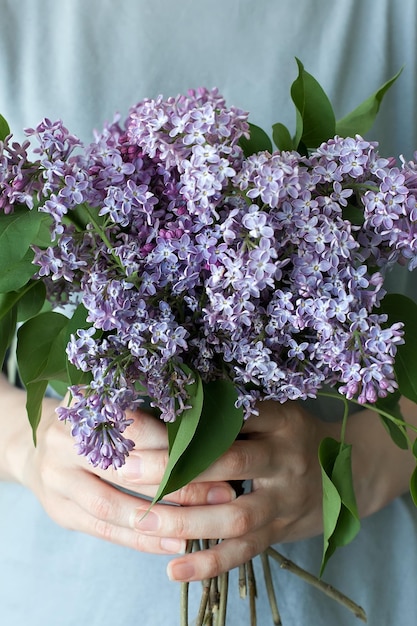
{"points": [[279, 454]]}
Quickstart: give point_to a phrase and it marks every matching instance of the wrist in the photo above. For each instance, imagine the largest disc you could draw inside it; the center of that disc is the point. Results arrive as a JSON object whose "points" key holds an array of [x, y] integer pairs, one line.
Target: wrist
{"points": [[381, 470], [16, 443]]}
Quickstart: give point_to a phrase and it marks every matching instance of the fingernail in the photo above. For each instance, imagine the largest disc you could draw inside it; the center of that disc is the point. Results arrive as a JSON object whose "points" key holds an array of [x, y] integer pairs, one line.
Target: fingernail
{"points": [[220, 495], [148, 521], [133, 468], [180, 571], [173, 545]]}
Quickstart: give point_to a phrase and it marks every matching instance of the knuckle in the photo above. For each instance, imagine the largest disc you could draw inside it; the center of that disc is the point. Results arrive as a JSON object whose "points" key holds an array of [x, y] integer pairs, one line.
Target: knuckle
{"points": [[237, 461], [193, 494], [103, 530], [188, 495], [101, 507], [248, 549], [213, 563], [241, 522], [180, 526], [162, 461]]}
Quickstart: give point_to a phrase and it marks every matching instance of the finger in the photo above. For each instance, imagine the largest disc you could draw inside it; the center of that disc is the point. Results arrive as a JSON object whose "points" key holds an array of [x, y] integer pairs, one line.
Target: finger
{"points": [[245, 460], [146, 431], [107, 503], [235, 519], [76, 518], [194, 494], [143, 472], [224, 556], [104, 501]]}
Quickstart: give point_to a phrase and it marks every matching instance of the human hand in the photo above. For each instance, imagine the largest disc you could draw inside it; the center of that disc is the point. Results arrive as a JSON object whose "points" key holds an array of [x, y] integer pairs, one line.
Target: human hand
{"points": [[83, 498], [279, 455]]}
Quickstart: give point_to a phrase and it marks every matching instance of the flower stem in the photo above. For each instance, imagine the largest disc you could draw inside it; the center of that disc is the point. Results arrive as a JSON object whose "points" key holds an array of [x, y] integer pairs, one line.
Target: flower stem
{"points": [[270, 589], [329, 590], [203, 603], [184, 593], [243, 589], [252, 593], [223, 590], [184, 604]]}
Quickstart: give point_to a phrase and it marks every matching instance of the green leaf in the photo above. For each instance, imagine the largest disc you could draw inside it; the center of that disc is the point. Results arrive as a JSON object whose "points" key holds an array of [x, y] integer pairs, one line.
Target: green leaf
{"points": [[4, 128], [258, 141], [42, 238], [31, 301], [400, 308], [41, 348], [413, 486], [349, 524], [17, 273], [219, 425], [59, 387], [180, 434], [7, 331], [315, 120], [18, 231], [396, 426], [8, 301], [340, 515], [332, 502], [282, 138], [361, 119], [354, 214], [35, 393]]}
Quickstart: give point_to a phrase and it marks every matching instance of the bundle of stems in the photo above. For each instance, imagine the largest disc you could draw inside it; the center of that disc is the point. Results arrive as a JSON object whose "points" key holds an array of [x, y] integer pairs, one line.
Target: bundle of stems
{"points": [[213, 603]]}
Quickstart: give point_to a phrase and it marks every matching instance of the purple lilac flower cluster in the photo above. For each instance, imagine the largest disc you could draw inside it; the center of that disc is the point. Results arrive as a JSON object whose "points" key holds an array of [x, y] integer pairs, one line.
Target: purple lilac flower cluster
{"points": [[190, 257]]}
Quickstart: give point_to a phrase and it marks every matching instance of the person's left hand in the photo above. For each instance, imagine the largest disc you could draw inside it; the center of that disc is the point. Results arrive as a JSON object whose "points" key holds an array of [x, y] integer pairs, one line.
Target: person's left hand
{"points": [[279, 455]]}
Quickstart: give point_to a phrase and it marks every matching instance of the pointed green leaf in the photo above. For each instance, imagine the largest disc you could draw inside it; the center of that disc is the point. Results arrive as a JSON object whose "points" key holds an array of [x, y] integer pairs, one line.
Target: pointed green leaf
{"points": [[413, 486], [7, 331], [29, 300], [18, 231], [41, 348], [35, 393], [354, 214], [282, 138], [17, 273], [340, 515], [400, 308], [4, 128], [332, 502], [180, 434], [348, 524], [258, 141], [361, 119], [299, 128], [315, 120], [218, 427], [8, 301], [59, 387], [395, 424], [32, 300]]}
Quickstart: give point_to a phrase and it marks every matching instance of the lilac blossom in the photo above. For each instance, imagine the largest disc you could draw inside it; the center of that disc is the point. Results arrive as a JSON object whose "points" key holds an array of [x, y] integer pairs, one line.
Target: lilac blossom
{"points": [[192, 258]]}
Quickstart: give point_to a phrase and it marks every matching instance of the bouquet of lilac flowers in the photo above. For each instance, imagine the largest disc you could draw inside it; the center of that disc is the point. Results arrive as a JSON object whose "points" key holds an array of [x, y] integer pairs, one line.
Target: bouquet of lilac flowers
{"points": [[202, 272]]}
